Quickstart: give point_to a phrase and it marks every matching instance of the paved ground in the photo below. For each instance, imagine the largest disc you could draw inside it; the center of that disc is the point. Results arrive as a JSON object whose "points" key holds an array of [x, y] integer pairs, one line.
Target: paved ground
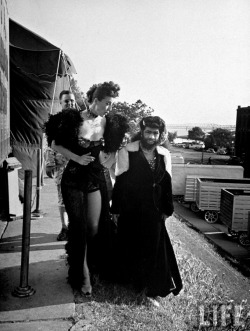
{"points": [[52, 306]]}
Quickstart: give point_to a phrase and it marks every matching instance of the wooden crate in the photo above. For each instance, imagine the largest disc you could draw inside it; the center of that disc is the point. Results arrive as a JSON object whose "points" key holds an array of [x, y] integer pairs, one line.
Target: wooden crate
{"points": [[209, 190], [191, 187], [181, 171], [235, 208]]}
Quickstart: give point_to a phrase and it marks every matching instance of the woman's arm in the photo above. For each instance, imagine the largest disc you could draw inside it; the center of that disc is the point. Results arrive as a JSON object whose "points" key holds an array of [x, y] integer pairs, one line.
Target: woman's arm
{"points": [[84, 159]]}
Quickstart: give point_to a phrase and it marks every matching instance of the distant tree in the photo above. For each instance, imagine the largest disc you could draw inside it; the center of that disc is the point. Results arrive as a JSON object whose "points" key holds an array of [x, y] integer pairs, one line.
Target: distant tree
{"points": [[134, 112], [209, 142], [79, 95], [222, 137], [172, 136], [196, 133]]}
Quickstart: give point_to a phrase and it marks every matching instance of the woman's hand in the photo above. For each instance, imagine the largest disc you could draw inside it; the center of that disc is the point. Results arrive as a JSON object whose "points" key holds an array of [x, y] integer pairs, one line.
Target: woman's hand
{"points": [[84, 159]]}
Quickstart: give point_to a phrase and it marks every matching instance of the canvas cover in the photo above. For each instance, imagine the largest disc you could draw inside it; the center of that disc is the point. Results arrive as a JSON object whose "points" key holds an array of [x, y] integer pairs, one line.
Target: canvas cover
{"points": [[38, 71], [4, 84]]}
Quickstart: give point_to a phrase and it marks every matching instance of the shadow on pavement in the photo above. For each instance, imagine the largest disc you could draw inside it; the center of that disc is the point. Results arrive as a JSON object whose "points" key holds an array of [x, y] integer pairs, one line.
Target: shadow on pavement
{"points": [[48, 278], [38, 241]]}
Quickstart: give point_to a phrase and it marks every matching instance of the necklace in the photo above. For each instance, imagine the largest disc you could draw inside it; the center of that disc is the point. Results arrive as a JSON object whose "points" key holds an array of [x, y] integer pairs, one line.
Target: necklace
{"points": [[152, 163], [104, 157], [150, 157]]}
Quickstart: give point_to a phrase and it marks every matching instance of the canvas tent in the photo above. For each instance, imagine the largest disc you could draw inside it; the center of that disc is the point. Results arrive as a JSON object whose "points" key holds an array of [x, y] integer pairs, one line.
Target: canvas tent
{"points": [[38, 72]]}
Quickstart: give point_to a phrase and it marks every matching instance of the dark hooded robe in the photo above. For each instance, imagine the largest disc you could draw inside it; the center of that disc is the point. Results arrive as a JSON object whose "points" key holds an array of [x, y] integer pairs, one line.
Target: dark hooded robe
{"points": [[141, 197]]}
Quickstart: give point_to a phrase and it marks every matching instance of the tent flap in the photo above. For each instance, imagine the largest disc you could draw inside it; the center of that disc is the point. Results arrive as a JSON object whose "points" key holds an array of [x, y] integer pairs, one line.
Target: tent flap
{"points": [[39, 71]]}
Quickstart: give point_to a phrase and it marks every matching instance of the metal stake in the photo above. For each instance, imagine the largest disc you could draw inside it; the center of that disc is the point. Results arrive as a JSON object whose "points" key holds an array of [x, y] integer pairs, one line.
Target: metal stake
{"points": [[24, 289]]}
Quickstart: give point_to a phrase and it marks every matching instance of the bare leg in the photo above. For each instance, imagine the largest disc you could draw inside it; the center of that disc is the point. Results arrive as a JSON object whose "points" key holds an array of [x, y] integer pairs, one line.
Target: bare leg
{"points": [[86, 287], [94, 212], [63, 235], [93, 216], [63, 217]]}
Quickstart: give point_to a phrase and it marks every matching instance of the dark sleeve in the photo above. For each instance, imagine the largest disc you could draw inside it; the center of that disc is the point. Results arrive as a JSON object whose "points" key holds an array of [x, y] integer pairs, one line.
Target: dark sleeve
{"points": [[117, 194], [63, 128], [167, 196], [51, 127]]}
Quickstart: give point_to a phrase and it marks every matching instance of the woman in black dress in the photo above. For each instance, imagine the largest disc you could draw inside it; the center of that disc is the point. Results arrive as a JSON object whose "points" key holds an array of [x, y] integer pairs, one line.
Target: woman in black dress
{"points": [[89, 140]]}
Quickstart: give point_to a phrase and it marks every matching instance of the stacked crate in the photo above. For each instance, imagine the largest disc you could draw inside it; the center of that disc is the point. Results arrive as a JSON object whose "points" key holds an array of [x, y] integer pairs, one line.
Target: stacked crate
{"points": [[235, 208], [209, 190], [191, 187]]}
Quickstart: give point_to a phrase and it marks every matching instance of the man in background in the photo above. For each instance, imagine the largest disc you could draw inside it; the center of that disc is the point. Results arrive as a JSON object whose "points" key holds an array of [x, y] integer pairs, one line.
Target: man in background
{"points": [[56, 164]]}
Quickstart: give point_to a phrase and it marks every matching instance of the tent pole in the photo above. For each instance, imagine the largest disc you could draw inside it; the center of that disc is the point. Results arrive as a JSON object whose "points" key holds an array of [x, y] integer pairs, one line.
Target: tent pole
{"points": [[52, 104], [65, 67], [69, 83]]}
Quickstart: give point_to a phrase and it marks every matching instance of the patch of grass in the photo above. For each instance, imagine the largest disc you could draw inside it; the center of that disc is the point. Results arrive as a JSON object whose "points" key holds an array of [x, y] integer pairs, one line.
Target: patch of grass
{"points": [[117, 308]]}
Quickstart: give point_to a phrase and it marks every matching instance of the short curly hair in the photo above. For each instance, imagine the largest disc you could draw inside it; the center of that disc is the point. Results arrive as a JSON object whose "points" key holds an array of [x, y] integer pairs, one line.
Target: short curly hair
{"points": [[154, 122], [103, 90]]}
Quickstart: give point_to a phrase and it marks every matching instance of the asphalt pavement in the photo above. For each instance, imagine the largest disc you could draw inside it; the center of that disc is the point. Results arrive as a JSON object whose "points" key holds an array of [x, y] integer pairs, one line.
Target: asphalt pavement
{"points": [[52, 306]]}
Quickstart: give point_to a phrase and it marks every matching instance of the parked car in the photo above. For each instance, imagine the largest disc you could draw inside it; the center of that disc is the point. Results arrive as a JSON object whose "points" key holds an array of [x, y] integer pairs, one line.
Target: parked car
{"points": [[196, 145], [198, 149], [210, 150], [180, 145], [221, 152]]}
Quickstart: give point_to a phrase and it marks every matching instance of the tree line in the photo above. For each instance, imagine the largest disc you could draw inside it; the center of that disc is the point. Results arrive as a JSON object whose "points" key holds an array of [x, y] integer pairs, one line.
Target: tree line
{"points": [[217, 138]]}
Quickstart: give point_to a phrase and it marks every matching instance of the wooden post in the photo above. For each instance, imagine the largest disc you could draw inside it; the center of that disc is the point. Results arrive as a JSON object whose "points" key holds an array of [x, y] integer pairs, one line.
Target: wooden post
{"points": [[248, 226], [42, 160], [202, 154], [37, 213]]}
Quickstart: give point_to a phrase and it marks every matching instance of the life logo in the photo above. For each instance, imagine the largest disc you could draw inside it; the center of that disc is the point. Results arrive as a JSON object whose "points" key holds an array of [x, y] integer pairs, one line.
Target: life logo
{"points": [[224, 315]]}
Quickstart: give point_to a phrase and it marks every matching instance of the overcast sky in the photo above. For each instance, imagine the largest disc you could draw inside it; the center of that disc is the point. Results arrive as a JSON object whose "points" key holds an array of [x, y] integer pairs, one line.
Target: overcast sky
{"points": [[189, 60]]}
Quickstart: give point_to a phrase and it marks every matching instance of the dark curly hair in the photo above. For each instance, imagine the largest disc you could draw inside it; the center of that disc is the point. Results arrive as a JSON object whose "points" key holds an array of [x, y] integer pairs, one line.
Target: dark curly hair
{"points": [[154, 122], [116, 128], [103, 90]]}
